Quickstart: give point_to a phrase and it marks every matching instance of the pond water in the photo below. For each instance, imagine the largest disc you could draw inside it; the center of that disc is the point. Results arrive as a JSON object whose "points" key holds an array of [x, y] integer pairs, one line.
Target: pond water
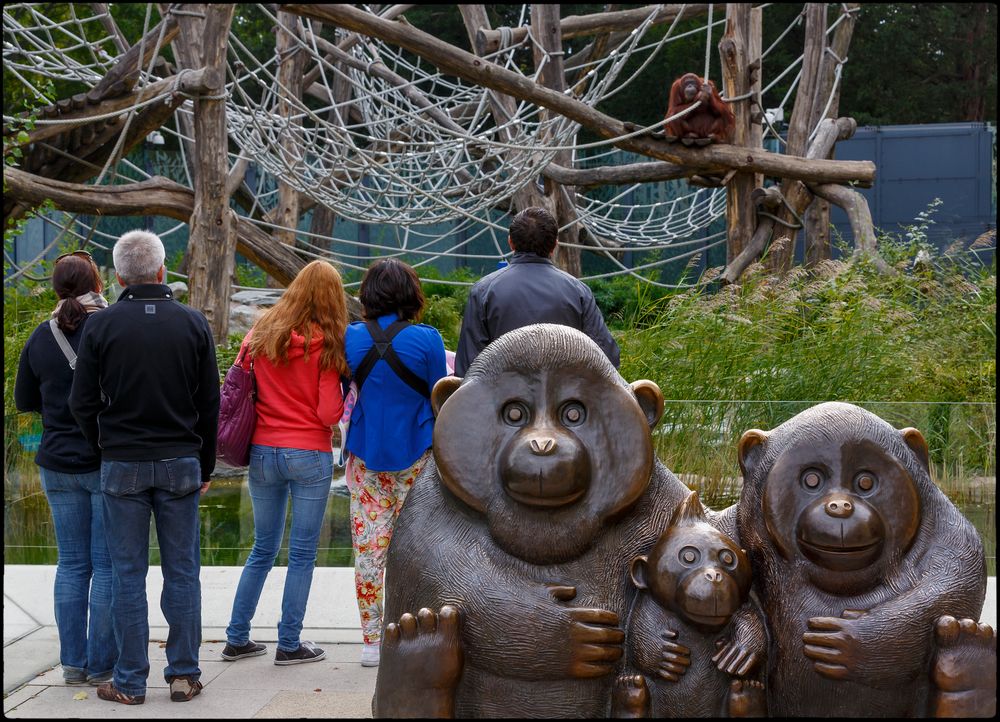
{"points": [[227, 515]]}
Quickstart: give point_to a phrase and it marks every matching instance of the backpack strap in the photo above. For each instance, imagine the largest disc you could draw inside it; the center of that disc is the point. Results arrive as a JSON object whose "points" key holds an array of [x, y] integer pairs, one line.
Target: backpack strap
{"points": [[63, 343], [382, 349]]}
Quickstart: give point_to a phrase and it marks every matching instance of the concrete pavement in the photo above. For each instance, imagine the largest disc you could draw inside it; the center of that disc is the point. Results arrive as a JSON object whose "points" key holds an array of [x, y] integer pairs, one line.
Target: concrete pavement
{"points": [[337, 686]]}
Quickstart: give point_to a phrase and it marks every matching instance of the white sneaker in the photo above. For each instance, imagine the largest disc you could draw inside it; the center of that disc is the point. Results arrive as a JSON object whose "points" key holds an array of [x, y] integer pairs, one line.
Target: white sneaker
{"points": [[369, 655]]}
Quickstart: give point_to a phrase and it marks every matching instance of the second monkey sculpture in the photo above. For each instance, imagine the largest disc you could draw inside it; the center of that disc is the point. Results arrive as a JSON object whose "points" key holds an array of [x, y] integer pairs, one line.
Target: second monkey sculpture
{"points": [[695, 639]]}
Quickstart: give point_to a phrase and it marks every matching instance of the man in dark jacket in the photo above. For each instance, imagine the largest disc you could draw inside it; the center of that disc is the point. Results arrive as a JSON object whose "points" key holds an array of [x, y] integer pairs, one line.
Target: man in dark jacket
{"points": [[529, 290], [153, 361]]}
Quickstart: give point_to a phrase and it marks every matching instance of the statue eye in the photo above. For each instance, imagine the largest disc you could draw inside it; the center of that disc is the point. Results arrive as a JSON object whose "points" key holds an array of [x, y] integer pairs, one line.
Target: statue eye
{"points": [[515, 414], [573, 413], [812, 479], [865, 481], [689, 555], [727, 558]]}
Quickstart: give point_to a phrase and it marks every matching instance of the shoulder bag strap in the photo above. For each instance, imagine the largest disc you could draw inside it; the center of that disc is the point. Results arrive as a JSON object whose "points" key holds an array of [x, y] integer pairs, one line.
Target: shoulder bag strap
{"points": [[63, 343], [382, 349]]}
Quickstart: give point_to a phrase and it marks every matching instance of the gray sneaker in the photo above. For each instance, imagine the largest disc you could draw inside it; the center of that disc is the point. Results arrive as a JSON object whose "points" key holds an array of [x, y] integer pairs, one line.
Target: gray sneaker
{"points": [[307, 652], [250, 649], [184, 689]]}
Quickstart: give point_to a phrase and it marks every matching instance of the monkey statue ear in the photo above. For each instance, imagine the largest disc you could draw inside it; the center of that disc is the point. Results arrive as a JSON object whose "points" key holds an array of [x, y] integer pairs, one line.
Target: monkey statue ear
{"points": [[749, 448], [650, 399], [918, 444], [637, 571], [442, 391]]}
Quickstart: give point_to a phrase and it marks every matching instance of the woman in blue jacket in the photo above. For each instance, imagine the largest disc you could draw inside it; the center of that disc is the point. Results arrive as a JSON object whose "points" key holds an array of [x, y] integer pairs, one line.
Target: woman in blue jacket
{"points": [[389, 439]]}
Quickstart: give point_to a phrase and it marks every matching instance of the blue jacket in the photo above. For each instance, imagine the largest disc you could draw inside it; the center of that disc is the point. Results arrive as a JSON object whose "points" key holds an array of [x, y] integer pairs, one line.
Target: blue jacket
{"points": [[392, 425]]}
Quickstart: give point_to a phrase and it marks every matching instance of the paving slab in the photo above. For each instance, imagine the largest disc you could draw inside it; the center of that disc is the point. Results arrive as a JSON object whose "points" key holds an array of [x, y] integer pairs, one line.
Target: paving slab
{"points": [[318, 706]]}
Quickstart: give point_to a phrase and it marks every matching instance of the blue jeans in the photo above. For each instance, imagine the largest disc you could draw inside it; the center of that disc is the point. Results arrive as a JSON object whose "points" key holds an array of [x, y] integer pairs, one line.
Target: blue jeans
{"points": [[83, 574], [168, 488], [274, 474]]}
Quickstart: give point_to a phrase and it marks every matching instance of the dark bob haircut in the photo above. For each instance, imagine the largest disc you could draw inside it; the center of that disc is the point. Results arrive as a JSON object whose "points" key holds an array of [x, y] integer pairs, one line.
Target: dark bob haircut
{"points": [[534, 230], [391, 286]]}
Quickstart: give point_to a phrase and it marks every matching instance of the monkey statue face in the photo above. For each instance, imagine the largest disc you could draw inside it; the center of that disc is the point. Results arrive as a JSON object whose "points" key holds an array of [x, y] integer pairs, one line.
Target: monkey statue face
{"points": [[837, 497], [694, 570], [545, 439]]}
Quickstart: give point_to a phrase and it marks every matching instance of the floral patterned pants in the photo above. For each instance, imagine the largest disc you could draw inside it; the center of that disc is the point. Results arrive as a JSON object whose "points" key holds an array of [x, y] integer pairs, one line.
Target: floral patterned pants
{"points": [[376, 500]]}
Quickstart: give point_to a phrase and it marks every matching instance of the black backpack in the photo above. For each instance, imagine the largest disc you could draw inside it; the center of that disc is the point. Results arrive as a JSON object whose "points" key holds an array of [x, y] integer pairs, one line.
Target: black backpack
{"points": [[382, 349]]}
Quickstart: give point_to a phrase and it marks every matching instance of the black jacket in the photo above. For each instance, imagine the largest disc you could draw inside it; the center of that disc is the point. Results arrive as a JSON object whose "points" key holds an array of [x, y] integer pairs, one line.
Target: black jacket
{"points": [[43, 382], [529, 290], [154, 359]]}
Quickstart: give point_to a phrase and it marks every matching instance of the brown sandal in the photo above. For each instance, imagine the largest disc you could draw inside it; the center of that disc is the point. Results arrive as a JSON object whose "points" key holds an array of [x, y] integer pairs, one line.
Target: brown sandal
{"points": [[110, 693]]}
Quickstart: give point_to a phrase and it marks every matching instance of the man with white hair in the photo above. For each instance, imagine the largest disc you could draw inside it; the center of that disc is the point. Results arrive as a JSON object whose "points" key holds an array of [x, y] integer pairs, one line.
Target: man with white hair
{"points": [[146, 395]]}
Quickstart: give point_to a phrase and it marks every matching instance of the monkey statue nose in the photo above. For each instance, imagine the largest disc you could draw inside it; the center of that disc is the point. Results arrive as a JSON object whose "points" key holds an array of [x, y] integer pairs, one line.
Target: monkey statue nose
{"points": [[713, 575], [839, 508], [543, 446]]}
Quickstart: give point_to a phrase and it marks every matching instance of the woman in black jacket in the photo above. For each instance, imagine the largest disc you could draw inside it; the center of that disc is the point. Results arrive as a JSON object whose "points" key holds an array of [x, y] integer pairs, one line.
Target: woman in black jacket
{"points": [[70, 474]]}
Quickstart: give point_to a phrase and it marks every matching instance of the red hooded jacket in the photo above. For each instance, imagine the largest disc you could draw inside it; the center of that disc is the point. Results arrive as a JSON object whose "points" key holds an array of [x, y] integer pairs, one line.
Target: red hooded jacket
{"points": [[297, 404]]}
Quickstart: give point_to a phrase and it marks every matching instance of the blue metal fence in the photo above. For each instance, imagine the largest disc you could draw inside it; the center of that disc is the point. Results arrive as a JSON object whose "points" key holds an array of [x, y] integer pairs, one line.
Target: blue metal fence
{"points": [[955, 162]]}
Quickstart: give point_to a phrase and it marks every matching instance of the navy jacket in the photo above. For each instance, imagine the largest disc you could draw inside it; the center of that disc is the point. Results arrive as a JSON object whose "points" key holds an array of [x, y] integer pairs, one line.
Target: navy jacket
{"points": [[43, 382], [529, 290], [154, 359]]}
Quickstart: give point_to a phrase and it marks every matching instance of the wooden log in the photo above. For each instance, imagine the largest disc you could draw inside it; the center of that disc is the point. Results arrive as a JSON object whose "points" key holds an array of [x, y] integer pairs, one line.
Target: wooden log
{"points": [[769, 200], [860, 216], [740, 219], [110, 26], [124, 75], [73, 117], [713, 159], [799, 122], [212, 242], [487, 41], [350, 41], [650, 172], [157, 196]]}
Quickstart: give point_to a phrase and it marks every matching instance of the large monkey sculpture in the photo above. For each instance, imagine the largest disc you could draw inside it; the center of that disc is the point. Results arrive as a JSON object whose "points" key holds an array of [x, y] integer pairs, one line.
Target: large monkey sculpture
{"points": [[515, 544], [858, 558], [712, 120]]}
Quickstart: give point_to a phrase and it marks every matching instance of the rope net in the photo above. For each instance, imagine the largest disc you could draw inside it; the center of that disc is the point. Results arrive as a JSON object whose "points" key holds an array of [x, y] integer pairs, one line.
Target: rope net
{"points": [[379, 136]]}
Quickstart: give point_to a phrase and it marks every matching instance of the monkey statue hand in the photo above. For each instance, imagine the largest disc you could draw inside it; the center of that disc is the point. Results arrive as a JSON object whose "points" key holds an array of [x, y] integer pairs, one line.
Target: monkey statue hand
{"points": [[836, 645], [745, 647], [596, 642]]}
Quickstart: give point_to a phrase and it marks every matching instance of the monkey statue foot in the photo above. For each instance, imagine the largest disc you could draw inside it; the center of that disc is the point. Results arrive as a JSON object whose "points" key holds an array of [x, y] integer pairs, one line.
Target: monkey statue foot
{"points": [[631, 698], [420, 666], [747, 698], [964, 675], [703, 141]]}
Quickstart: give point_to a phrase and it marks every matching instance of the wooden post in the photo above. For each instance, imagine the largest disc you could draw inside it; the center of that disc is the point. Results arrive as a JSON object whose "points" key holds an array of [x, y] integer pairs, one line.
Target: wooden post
{"points": [[549, 59], [212, 239], [799, 122], [291, 64], [740, 217], [817, 216], [754, 52]]}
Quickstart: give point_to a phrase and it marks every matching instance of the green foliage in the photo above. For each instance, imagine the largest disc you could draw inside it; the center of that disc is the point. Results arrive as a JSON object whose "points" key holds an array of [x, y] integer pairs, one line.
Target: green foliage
{"points": [[24, 307], [445, 302], [770, 347]]}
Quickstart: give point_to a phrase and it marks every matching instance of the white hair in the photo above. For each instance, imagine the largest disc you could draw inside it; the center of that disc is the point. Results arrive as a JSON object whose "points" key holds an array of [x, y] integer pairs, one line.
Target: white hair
{"points": [[138, 256]]}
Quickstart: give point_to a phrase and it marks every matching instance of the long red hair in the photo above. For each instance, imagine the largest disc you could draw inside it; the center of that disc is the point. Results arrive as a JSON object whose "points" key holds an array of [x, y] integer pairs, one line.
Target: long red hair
{"points": [[314, 301]]}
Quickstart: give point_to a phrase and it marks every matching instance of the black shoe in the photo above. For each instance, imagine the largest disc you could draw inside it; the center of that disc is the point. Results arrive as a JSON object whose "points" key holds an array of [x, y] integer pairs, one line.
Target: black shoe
{"points": [[250, 649], [307, 652]]}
